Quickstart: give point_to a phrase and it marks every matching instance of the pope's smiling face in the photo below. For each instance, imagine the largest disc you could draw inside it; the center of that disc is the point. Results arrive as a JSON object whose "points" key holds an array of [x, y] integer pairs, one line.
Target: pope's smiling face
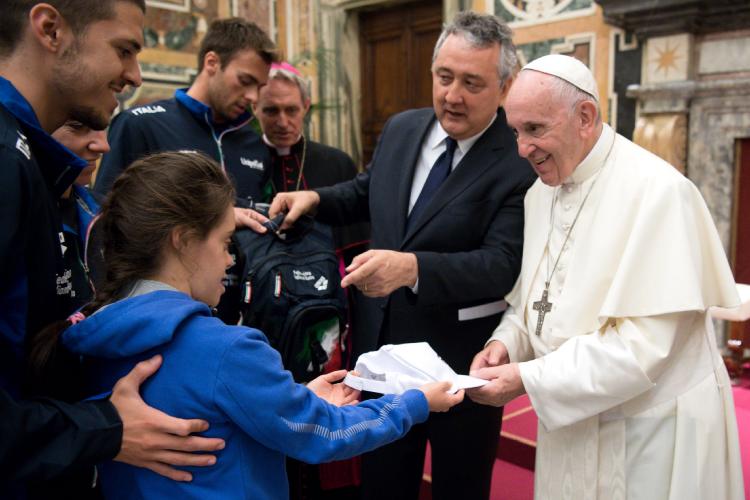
{"points": [[549, 131]]}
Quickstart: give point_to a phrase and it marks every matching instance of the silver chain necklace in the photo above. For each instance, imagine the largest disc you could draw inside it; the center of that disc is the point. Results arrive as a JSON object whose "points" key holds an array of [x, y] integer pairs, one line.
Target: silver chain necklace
{"points": [[544, 306]]}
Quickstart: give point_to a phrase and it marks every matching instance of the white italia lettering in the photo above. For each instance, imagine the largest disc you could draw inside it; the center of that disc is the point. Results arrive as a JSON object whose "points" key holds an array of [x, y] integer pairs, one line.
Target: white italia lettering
{"points": [[148, 109]]}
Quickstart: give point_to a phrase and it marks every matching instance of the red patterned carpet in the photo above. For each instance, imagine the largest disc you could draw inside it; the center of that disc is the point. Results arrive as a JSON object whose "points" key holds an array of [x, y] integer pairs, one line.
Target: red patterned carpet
{"points": [[513, 476], [742, 407]]}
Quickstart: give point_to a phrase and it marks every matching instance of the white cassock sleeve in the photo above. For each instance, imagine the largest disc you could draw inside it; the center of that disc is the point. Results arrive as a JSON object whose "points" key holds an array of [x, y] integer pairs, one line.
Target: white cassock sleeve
{"points": [[592, 373], [512, 332]]}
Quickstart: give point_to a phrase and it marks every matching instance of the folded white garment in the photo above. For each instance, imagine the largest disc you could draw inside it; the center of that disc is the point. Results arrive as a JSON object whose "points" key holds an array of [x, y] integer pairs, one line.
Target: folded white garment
{"points": [[393, 369]]}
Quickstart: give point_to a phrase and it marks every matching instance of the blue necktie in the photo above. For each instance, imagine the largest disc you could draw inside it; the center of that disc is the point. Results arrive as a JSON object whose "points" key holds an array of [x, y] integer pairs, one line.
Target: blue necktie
{"points": [[437, 175]]}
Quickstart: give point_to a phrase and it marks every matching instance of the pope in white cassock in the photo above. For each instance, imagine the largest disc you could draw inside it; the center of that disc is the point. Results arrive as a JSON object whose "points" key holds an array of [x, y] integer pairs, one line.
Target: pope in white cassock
{"points": [[607, 328]]}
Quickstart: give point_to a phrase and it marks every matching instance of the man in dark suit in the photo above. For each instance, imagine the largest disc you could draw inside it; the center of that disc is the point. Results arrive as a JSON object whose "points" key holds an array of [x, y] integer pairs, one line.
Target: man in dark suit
{"points": [[444, 195]]}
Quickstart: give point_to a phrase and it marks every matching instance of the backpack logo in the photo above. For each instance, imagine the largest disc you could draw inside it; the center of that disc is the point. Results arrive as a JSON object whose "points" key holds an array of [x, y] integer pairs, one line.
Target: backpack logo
{"points": [[23, 146], [321, 284], [254, 164], [302, 275], [144, 110]]}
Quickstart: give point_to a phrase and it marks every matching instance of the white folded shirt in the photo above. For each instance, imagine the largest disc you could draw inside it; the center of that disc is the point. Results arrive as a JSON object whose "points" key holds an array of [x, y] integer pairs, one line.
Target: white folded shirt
{"points": [[393, 369]]}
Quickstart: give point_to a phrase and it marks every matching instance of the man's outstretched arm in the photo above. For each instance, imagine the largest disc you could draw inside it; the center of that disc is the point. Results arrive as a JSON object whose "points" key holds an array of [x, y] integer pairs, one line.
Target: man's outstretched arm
{"points": [[41, 439]]}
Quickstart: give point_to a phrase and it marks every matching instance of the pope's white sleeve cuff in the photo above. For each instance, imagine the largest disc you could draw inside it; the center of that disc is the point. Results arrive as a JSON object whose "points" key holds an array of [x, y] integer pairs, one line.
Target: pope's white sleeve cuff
{"points": [[513, 334]]}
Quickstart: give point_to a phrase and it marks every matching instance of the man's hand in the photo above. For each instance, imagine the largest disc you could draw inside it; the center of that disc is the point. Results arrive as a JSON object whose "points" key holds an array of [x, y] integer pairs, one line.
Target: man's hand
{"points": [[505, 385], [247, 217], [379, 272], [295, 204], [325, 387], [152, 439], [494, 354]]}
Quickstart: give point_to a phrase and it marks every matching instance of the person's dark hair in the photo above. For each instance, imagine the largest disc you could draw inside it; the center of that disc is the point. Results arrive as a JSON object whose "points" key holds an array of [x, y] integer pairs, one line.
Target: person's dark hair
{"points": [[153, 196], [226, 37], [78, 13], [482, 31]]}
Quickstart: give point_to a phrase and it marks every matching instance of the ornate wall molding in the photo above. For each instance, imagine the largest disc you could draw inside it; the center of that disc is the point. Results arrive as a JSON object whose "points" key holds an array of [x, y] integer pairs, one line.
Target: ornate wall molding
{"points": [[523, 13], [719, 114], [692, 88], [177, 5], [664, 135], [650, 18]]}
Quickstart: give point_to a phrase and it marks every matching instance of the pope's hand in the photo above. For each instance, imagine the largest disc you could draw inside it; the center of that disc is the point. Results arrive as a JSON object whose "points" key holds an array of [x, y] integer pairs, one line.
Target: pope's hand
{"points": [[505, 385], [494, 354], [377, 273], [339, 394]]}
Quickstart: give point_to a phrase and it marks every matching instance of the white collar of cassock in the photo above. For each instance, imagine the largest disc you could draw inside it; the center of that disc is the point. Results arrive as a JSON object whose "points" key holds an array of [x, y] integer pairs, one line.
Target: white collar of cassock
{"points": [[280, 151], [438, 135], [595, 159]]}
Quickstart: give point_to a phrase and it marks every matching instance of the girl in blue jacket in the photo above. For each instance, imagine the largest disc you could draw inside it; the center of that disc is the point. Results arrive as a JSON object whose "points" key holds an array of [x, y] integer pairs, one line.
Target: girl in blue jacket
{"points": [[166, 227]]}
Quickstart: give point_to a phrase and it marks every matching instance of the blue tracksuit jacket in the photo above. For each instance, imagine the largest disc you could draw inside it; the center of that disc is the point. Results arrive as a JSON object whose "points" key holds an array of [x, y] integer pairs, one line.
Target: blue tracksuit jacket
{"points": [[34, 171], [231, 377], [183, 123]]}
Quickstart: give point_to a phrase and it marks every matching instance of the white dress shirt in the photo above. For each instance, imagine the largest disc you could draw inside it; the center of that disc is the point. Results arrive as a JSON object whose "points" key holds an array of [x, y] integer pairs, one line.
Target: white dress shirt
{"points": [[432, 147]]}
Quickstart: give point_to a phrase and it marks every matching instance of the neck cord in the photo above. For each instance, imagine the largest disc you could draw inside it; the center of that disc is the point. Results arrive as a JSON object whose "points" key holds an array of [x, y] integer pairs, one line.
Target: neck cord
{"points": [[301, 163], [575, 219]]}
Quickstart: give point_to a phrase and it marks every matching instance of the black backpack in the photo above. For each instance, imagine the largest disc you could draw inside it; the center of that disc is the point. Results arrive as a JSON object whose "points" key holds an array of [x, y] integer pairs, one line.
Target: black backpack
{"points": [[290, 289]]}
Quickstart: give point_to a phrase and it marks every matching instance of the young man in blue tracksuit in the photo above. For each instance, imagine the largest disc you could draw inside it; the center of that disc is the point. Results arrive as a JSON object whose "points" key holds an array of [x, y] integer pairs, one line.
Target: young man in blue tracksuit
{"points": [[36, 171], [42, 55], [211, 116]]}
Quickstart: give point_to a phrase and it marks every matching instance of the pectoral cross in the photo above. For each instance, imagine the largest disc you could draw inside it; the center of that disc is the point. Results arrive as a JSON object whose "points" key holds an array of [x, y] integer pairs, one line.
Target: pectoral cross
{"points": [[543, 306]]}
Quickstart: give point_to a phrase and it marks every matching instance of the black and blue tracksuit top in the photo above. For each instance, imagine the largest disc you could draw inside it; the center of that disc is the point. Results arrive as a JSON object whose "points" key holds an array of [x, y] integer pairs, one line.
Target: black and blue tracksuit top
{"points": [[34, 171], [185, 124]]}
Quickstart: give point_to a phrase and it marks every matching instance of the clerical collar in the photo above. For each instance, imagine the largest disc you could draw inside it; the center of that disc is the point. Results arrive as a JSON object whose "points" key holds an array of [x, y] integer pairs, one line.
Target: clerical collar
{"points": [[595, 159], [438, 135], [281, 151]]}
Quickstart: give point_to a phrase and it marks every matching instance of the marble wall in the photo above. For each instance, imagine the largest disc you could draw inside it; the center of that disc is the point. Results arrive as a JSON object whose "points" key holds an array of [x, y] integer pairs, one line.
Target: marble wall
{"points": [[172, 34], [701, 82], [719, 115]]}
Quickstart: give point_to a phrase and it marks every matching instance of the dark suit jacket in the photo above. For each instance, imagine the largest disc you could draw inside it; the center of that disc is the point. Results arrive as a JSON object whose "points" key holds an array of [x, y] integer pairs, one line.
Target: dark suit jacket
{"points": [[468, 240]]}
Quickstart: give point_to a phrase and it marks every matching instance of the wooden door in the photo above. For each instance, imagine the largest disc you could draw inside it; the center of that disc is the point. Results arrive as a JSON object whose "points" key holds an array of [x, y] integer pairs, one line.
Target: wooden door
{"points": [[396, 54], [739, 333], [741, 250]]}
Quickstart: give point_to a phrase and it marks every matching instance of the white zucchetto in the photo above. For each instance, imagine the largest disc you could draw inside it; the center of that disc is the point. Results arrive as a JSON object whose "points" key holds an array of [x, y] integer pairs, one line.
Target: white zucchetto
{"points": [[569, 69]]}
